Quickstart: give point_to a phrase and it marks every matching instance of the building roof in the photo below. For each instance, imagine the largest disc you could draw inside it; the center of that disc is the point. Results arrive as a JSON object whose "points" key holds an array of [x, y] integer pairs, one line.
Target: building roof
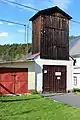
{"points": [[16, 61], [74, 47], [50, 11], [29, 58], [33, 56]]}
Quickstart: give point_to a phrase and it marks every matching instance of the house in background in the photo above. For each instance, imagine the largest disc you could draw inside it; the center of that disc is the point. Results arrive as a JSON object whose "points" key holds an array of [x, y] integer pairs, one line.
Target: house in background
{"points": [[75, 53], [48, 69]]}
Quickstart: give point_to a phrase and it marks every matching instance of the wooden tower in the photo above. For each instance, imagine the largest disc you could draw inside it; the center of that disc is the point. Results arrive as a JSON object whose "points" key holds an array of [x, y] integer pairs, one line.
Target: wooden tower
{"points": [[50, 34]]}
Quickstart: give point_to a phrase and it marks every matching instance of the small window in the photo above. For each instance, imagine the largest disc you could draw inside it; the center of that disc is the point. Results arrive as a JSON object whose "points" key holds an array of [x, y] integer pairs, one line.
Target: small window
{"points": [[75, 80]]}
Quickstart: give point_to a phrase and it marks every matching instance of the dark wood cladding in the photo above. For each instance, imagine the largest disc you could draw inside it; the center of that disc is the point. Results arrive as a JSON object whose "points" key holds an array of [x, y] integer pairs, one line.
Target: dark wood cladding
{"points": [[36, 26], [54, 38], [50, 36], [53, 82]]}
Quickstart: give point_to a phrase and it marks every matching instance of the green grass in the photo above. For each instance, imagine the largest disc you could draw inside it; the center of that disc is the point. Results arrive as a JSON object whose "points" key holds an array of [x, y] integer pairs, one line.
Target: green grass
{"points": [[35, 107]]}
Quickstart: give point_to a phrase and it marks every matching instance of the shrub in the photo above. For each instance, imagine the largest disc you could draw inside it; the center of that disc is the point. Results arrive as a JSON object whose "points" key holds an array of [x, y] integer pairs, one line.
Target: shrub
{"points": [[1, 95], [76, 90], [34, 92]]}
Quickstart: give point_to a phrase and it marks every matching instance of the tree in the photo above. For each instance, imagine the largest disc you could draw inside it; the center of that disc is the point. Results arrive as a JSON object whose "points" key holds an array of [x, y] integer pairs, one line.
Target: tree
{"points": [[14, 51]]}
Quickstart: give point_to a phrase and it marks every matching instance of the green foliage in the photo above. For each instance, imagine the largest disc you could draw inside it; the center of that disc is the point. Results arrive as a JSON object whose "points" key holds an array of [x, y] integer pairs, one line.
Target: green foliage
{"points": [[1, 95], [14, 51], [71, 37], [33, 92], [74, 37], [76, 90]]}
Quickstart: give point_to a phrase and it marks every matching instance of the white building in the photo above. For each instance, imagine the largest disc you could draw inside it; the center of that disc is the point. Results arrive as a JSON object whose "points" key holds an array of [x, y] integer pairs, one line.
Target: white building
{"points": [[75, 53], [48, 69], [62, 82], [37, 77]]}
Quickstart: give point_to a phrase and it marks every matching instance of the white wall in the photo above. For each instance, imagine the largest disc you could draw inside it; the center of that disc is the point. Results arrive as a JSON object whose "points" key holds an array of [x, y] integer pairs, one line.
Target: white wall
{"points": [[35, 75], [39, 76], [76, 73], [31, 72]]}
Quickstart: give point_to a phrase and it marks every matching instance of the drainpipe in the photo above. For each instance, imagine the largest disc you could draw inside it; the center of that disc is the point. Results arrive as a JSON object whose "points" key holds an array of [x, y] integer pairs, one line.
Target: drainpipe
{"points": [[74, 60]]}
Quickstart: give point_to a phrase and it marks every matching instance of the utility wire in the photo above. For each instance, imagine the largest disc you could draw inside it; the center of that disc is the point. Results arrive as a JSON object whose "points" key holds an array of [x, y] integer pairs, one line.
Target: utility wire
{"points": [[25, 26], [75, 21], [20, 5], [32, 9], [13, 22]]}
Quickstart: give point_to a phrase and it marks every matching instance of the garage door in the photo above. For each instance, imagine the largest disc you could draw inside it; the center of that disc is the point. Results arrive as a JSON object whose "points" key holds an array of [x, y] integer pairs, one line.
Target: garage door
{"points": [[54, 78], [13, 80]]}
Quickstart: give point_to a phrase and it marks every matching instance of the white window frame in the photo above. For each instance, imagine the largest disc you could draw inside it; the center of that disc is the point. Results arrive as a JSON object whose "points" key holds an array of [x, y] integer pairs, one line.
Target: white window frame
{"points": [[75, 80]]}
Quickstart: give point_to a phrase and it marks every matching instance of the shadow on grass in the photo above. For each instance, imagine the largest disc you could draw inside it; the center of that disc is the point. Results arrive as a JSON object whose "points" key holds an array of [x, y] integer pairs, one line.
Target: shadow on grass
{"points": [[22, 113], [15, 100], [26, 112]]}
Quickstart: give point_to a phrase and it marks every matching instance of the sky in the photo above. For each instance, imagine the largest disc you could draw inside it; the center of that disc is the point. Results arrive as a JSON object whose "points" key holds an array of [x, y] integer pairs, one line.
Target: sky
{"points": [[12, 33]]}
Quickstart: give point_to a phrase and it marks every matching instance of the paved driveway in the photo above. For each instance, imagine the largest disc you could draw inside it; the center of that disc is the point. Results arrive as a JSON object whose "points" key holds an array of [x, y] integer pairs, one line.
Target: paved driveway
{"points": [[69, 98]]}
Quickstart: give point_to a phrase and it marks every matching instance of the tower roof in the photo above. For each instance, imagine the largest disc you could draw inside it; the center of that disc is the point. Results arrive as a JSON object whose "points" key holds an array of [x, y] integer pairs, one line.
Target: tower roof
{"points": [[50, 11]]}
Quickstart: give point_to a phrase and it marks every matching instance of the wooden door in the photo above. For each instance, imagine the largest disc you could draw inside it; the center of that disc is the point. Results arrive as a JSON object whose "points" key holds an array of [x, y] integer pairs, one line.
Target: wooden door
{"points": [[54, 78], [21, 82], [13, 80]]}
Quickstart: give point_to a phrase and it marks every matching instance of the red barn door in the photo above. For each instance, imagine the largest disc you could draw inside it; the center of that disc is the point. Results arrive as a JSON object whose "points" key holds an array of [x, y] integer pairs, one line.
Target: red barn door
{"points": [[13, 80]]}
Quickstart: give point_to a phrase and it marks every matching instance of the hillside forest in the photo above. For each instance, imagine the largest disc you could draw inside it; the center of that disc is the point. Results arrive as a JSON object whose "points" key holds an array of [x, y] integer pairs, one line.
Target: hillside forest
{"points": [[14, 51], [18, 51]]}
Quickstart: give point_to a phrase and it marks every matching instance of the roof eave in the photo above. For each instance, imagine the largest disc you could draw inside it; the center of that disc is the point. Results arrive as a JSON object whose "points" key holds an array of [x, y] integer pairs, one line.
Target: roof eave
{"points": [[55, 9], [20, 61]]}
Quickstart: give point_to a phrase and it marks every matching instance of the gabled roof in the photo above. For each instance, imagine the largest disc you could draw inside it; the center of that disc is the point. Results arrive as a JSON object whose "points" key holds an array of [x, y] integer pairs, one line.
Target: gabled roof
{"points": [[74, 47], [50, 11]]}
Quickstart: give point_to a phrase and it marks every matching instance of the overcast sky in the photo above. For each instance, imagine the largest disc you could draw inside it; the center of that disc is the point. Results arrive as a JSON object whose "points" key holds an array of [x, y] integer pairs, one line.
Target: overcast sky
{"points": [[11, 33]]}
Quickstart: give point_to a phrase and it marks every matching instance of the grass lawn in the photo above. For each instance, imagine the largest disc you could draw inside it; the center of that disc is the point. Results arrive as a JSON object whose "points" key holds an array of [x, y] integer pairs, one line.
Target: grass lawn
{"points": [[35, 107]]}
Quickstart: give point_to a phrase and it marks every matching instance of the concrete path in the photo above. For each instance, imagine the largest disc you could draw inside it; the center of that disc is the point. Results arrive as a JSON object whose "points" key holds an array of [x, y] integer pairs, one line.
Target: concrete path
{"points": [[68, 98]]}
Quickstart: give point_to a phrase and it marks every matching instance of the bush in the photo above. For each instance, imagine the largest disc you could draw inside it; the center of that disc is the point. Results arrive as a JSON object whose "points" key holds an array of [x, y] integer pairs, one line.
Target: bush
{"points": [[1, 95], [34, 92], [76, 90]]}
